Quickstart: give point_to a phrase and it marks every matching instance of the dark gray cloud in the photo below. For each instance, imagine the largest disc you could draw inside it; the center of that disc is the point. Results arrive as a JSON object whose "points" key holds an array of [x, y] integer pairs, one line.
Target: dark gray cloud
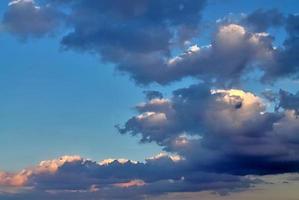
{"points": [[153, 95], [270, 95], [137, 36], [285, 61], [261, 20], [25, 19], [227, 131], [289, 101]]}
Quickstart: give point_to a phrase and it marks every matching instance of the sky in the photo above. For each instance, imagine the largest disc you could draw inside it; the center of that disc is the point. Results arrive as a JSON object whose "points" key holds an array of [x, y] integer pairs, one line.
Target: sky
{"points": [[149, 99]]}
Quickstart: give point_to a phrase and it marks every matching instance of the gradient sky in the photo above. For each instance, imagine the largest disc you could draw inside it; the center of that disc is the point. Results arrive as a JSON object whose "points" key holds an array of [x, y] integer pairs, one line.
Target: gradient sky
{"points": [[56, 101]]}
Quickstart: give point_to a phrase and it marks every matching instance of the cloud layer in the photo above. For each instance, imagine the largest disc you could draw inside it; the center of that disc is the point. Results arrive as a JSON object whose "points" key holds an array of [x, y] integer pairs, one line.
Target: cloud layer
{"points": [[73, 177]]}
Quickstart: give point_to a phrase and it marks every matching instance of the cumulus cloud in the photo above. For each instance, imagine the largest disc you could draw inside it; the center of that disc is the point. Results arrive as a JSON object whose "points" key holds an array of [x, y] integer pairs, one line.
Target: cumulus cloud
{"points": [[233, 52], [222, 131], [21, 178], [26, 19]]}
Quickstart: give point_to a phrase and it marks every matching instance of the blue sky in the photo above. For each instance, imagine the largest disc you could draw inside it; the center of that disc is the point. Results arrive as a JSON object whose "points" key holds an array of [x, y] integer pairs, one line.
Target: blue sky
{"points": [[58, 98]]}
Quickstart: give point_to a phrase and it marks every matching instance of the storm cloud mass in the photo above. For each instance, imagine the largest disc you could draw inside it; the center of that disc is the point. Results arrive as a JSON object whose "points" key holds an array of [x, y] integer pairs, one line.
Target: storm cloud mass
{"points": [[214, 137], [222, 131]]}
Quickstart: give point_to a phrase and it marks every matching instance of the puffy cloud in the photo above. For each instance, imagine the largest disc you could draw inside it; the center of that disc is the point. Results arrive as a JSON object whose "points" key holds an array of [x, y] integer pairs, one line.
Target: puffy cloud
{"points": [[134, 35], [223, 131], [25, 19], [189, 109], [76, 177], [139, 37], [261, 20], [49, 166], [285, 62], [10, 179], [289, 101], [233, 52], [134, 26]]}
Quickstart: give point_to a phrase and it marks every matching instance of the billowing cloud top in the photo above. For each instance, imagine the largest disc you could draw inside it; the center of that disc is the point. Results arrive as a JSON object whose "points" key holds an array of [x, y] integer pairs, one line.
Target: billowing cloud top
{"points": [[227, 131]]}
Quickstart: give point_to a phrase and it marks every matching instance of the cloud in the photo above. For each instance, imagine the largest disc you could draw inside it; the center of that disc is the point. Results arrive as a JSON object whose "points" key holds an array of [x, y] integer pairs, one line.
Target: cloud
{"points": [[221, 131], [233, 52], [261, 20], [72, 177], [136, 36], [277, 187], [26, 19], [285, 61], [21, 178], [153, 95], [147, 39], [289, 101]]}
